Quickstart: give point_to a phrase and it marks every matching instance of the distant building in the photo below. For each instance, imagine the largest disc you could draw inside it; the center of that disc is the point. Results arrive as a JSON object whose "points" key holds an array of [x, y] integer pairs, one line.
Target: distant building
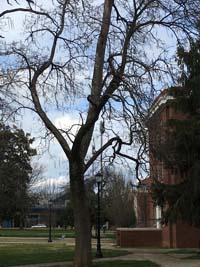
{"points": [[39, 214]]}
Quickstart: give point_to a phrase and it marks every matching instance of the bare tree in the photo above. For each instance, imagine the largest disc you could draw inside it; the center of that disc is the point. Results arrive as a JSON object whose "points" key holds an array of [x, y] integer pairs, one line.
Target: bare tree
{"points": [[118, 200], [48, 191], [37, 175], [111, 55]]}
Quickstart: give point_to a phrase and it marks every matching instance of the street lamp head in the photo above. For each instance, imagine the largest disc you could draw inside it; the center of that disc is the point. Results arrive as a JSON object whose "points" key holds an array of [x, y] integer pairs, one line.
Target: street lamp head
{"points": [[102, 127], [99, 177]]}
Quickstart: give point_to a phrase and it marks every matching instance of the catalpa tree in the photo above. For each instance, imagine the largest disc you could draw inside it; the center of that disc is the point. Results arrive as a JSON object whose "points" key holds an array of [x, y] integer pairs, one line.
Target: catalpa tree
{"points": [[106, 55]]}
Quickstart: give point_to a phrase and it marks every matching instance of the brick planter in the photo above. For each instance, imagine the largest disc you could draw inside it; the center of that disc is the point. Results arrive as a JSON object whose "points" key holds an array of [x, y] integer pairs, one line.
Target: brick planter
{"points": [[139, 237]]}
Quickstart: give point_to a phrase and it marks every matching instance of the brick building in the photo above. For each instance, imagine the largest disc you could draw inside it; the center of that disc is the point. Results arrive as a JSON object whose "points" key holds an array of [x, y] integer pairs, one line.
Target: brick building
{"points": [[144, 206], [176, 235]]}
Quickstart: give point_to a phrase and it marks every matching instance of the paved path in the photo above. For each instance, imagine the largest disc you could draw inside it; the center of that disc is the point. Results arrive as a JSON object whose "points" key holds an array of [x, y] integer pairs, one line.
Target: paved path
{"points": [[42, 240], [160, 257]]}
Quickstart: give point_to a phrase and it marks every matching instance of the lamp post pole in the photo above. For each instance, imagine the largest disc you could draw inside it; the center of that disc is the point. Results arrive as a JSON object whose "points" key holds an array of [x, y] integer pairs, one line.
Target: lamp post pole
{"points": [[98, 252], [102, 130], [50, 211]]}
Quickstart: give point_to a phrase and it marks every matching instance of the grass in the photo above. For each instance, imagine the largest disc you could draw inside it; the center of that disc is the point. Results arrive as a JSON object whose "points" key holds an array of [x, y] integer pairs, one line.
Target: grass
{"points": [[34, 253], [110, 253], [42, 253], [109, 234], [56, 233]]}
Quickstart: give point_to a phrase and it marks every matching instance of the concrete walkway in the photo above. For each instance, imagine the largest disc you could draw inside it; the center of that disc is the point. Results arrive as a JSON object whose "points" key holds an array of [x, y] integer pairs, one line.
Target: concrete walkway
{"points": [[160, 257], [41, 240]]}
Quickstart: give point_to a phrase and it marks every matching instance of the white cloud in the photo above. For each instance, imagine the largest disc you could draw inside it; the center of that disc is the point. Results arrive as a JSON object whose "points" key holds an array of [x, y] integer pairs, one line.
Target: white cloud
{"points": [[69, 123]]}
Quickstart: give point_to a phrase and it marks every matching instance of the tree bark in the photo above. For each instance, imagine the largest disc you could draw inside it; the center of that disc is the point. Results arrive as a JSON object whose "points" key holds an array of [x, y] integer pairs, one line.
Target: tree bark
{"points": [[80, 202]]}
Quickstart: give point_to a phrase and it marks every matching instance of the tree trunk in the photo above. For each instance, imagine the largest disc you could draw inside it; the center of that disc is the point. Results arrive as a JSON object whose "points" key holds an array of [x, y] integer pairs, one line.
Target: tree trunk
{"points": [[21, 220], [81, 217]]}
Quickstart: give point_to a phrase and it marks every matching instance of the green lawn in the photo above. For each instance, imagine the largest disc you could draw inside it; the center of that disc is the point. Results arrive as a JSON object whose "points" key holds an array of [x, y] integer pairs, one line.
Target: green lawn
{"points": [[109, 234], [20, 254], [56, 233]]}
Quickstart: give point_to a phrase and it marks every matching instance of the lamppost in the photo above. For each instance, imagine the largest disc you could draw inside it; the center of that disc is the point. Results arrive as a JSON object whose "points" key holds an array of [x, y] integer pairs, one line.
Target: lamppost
{"points": [[50, 202], [102, 131], [99, 254]]}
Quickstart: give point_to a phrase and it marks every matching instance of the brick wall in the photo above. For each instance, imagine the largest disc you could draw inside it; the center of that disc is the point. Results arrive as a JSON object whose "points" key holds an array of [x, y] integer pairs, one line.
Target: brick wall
{"points": [[187, 236], [180, 235], [177, 235], [169, 236], [139, 237]]}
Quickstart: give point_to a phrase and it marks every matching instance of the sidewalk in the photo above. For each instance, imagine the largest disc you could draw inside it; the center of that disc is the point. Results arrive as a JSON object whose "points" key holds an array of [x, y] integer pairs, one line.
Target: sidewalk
{"points": [[160, 257]]}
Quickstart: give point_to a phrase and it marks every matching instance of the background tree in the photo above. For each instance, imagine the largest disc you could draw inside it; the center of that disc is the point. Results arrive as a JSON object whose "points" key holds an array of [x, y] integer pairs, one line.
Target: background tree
{"points": [[15, 174], [118, 201], [180, 151], [47, 190], [98, 53], [67, 217]]}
